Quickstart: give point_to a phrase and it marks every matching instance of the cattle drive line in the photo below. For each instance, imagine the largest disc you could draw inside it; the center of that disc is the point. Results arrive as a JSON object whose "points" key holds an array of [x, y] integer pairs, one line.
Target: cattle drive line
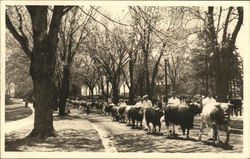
{"points": [[214, 116]]}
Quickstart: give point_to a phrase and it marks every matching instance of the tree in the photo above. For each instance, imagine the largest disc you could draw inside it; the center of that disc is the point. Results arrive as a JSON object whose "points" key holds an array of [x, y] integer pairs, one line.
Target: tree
{"points": [[42, 54], [109, 52], [85, 72], [223, 51], [17, 68], [72, 35], [144, 23]]}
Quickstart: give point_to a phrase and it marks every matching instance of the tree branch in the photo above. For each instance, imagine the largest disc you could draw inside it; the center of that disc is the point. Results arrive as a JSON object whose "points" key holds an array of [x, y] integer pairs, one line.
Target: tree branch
{"points": [[23, 41]]}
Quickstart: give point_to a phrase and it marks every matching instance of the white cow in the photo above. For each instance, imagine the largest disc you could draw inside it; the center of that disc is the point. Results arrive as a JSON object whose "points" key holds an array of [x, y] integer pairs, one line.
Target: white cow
{"points": [[216, 116]]}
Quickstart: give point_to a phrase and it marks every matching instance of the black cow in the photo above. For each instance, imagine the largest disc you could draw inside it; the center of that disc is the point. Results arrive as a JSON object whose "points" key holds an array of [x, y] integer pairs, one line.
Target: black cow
{"points": [[153, 115], [135, 113], [88, 107], [122, 113], [108, 109], [181, 115], [236, 106], [99, 106], [115, 113]]}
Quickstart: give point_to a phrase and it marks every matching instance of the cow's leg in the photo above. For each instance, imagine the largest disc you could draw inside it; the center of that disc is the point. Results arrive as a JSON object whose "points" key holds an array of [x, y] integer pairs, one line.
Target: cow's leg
{"points": [[228, 136], [218, 137], [236, 111], [232, 110], [215, 133], [149, 130], [159, 127], [201, 129], [227, 130], [154, 126], [167, 127], [183, 129], [173, 129], [133, 123], [187, 133]]}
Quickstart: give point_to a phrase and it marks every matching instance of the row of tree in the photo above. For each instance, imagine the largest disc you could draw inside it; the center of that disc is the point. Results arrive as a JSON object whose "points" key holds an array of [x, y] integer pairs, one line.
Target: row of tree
{"points": [[65, 46]]}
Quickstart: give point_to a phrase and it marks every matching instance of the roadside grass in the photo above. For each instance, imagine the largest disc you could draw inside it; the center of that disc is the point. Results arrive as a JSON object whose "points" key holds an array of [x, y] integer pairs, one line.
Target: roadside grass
{"points": [[16, 111]]}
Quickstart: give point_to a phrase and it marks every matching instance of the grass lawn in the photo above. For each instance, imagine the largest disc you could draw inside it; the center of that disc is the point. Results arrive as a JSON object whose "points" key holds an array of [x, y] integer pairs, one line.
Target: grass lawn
{"points": [[16, 111]]}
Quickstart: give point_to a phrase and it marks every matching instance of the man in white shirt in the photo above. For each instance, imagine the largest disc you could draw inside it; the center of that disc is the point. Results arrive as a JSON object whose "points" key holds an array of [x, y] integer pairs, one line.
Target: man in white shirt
{"points": [[174, 100], [146, 102], [208, 99], [139, 102], [121, 103]]}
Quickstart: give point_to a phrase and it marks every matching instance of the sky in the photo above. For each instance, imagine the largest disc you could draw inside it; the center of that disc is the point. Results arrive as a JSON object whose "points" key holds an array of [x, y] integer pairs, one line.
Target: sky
{"points": [[120, 13]]}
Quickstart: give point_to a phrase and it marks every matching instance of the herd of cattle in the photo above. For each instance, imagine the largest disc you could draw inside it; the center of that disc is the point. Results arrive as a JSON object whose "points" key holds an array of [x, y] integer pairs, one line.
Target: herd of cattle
{"points": [[213, 115]]}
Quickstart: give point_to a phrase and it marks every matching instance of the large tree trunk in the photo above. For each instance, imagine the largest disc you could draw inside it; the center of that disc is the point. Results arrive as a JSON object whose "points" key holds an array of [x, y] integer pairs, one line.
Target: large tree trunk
{"points": [[42, 68], [43, 61], [146, 73], [131, 75], [224, 54], [64, 90], [91, 89], [43, 104], [115, 92], [221, 78]]}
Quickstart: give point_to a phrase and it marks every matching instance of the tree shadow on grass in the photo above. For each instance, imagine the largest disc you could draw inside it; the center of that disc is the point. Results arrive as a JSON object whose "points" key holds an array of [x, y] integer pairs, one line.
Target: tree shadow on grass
{"points": [[66, 140], [17, 113]]}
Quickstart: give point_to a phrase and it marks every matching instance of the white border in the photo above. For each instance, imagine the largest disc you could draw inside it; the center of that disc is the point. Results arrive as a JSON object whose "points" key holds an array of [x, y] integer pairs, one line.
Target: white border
{"points": [[246, 58]]}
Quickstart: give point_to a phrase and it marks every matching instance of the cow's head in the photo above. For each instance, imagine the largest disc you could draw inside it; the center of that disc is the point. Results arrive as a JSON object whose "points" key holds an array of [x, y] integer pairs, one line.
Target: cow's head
{"points": [[195, 108]]}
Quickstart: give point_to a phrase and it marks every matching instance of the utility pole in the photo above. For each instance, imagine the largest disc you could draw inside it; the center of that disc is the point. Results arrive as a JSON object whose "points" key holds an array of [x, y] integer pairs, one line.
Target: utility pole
{"points": [[107, 82], [206, 66], [166, 80]]}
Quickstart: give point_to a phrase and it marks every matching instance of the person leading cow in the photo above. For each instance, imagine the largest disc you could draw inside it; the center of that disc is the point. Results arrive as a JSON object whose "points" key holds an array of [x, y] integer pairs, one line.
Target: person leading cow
{"points": [[208, 99], [174, 100]]}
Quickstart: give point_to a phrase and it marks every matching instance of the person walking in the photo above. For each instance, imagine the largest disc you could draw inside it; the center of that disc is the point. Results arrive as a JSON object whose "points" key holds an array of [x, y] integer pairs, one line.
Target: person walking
{"points": [[174, 101], [208, 99]]}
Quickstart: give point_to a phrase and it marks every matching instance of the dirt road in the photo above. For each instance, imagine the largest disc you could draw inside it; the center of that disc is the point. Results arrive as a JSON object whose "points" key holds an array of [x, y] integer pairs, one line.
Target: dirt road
{"points": [[125, 139]]}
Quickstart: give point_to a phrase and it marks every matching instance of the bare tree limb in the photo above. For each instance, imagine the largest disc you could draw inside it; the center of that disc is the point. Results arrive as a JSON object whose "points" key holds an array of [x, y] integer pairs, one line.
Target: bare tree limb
{"points": [[23, 41]]}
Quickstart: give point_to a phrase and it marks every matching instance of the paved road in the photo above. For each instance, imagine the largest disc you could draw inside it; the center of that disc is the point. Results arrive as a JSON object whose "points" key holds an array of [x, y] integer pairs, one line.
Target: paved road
{"points": [[123, 138]]}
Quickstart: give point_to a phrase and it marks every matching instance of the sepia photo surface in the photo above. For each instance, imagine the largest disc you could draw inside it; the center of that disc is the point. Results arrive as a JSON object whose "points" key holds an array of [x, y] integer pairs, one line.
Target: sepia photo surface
{"points": [[124, 79]]}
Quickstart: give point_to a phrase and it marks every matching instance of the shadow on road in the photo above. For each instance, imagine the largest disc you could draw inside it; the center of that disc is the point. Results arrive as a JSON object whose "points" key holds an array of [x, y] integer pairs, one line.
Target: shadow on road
{"points": [[67, 117], [221, 145], [66, 140]]}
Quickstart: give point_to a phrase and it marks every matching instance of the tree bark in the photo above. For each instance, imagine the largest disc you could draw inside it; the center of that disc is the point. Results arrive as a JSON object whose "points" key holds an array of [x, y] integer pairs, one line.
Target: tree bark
{"points": [[131, 75], [115, 92], [64, 90], [223, 55], [42, 67]]}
